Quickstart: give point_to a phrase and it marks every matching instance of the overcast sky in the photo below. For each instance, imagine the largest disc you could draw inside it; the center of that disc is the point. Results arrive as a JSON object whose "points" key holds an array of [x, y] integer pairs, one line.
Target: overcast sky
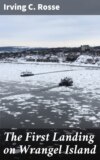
{"points": [[49, 31]]}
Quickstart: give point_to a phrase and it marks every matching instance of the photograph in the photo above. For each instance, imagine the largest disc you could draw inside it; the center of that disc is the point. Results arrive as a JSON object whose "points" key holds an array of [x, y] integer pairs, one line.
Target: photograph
{"points": [[49, 71]]}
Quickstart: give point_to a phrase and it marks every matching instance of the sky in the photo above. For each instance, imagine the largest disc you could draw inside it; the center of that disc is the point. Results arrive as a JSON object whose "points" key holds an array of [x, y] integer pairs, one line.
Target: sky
{"points": [[49, 31]]}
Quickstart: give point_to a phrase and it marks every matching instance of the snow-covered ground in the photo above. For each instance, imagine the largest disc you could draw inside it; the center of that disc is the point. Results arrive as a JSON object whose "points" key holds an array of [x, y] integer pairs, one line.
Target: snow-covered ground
{"points": [[88, 60], [82, 60], [37, 101]]}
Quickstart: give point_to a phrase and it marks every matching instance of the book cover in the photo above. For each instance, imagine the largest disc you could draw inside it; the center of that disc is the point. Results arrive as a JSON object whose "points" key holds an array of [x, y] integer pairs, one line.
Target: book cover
{"points": [[49, 79]]}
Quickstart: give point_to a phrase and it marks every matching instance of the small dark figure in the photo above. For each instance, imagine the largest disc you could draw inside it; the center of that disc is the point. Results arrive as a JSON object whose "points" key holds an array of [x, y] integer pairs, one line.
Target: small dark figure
{"points": [[26, 74], [66, 82]]}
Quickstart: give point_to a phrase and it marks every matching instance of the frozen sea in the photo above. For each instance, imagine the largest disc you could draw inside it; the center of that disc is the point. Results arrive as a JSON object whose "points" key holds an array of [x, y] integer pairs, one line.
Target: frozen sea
{"points": [[38, 101]]}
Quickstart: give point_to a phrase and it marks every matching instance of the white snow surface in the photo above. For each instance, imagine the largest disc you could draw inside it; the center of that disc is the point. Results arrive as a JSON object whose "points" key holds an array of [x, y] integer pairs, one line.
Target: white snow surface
{"points": [[88, 79], [77, 102], [84, 59]]}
